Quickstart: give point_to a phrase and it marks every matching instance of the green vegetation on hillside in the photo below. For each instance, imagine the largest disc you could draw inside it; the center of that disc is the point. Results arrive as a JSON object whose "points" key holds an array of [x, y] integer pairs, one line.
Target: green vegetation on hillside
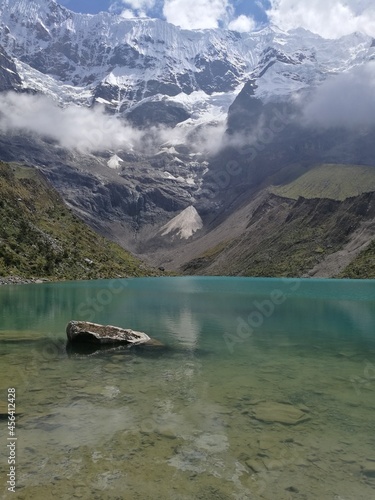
{"points": [[335, 182], [40, 237], [362, 266], [287, 238], [286, 249]]}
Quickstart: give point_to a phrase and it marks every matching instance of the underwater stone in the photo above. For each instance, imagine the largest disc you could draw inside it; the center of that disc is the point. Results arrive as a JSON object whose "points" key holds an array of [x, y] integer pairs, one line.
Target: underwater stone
{"points": [[271, 412], [256, 465], [369, 471], [3, 410]]}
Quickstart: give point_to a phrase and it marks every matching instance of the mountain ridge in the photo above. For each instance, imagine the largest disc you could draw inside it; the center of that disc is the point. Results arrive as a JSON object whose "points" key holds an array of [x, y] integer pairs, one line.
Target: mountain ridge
{"points": [[95, 49], [206, 119], [41, 238]]}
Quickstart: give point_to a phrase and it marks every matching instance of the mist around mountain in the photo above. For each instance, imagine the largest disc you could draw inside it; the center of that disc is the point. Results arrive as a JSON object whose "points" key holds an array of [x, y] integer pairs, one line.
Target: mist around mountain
{"points": [[164, 140]]}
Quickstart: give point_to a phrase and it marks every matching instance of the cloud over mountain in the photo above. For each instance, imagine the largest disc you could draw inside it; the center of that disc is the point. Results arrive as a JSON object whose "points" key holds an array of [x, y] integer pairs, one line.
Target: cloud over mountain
{"points": [[73, 127], [91, 129], [346, 100], [329, 19], [203, 14], [242, 23], [133, 8]]}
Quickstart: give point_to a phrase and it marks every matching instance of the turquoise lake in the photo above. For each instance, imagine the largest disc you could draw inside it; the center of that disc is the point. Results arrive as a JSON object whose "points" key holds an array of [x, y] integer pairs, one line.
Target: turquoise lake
{"points": [[263, 389]]}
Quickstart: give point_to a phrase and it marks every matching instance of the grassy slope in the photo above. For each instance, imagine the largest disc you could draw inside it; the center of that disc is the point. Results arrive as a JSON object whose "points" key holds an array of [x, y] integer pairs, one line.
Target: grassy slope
{"points": [[335, 182], [284, 238], [363, 266], [40, 237], [290, 237]]}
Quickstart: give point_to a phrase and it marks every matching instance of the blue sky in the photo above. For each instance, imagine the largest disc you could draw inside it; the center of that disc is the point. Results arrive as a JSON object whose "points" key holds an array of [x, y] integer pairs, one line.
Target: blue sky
{"points": [[247, 7], [86, 6], [235, 9], [330, 19]]}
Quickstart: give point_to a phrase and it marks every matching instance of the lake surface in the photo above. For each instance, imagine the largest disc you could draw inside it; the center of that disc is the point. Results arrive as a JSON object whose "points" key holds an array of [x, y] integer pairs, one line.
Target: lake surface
{"points": [[264, 389]]}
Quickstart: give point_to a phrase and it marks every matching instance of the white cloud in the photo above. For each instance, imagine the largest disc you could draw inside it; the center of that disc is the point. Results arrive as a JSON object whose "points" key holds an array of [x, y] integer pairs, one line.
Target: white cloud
{"points": [[133, 8], [346, 100], [74, 127], [89, 130], [128, 14], [139, 4], [243, 24], [330, 19], [201, 14]]}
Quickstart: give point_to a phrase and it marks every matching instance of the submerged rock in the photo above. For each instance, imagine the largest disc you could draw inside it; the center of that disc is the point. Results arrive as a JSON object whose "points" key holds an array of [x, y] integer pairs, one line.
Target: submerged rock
{"points": [[85, 332], [3, 410], [369, 471], [282, 413]]}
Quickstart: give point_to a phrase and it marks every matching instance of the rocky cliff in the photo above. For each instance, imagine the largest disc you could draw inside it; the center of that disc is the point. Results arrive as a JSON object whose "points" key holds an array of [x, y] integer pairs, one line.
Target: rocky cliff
{"points": [[139, 124]]}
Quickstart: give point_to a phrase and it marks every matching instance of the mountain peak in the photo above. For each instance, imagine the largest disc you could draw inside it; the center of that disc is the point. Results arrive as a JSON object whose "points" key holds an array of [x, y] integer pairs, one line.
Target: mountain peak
{"points": [[23, 6], [121, 62], [271, 29], [45, 11]]}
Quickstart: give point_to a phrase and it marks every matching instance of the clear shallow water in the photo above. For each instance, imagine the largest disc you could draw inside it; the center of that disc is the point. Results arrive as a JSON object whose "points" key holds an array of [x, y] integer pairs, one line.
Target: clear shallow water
{"points": [[204, 417]]}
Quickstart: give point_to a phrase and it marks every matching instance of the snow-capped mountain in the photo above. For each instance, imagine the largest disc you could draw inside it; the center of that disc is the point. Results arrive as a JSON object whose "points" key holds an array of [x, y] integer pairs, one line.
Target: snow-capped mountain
{"points": [[120, 62], [9, 78], [215, 97]]}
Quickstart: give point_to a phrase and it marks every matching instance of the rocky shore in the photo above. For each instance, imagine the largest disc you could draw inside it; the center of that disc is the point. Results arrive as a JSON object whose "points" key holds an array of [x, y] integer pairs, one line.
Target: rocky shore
{"points": [[17, 280]]}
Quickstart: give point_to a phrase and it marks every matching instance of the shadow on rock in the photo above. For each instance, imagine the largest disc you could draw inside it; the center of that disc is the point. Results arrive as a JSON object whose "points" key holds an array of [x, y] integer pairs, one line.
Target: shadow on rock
{"points": [[80, 349]]}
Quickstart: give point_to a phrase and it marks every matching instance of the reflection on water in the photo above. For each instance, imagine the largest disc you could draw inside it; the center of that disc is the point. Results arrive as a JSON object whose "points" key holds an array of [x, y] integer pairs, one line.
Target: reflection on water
{"points": [[214, 414], [184, 327]]}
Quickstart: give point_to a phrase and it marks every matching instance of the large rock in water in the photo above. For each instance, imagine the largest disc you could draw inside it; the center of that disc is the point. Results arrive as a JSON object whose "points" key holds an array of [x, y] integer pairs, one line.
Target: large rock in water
{"points": [[85, 332]]}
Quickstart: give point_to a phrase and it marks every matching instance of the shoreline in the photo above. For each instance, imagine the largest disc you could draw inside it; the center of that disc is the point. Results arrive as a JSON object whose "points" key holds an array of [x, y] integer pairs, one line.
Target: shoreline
{"points": [[18, 280]]}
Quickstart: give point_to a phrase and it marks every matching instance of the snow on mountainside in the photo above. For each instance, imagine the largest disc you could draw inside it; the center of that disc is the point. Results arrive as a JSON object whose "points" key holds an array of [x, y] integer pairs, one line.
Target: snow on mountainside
{"points": [[186, 144], [120, 62]]}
